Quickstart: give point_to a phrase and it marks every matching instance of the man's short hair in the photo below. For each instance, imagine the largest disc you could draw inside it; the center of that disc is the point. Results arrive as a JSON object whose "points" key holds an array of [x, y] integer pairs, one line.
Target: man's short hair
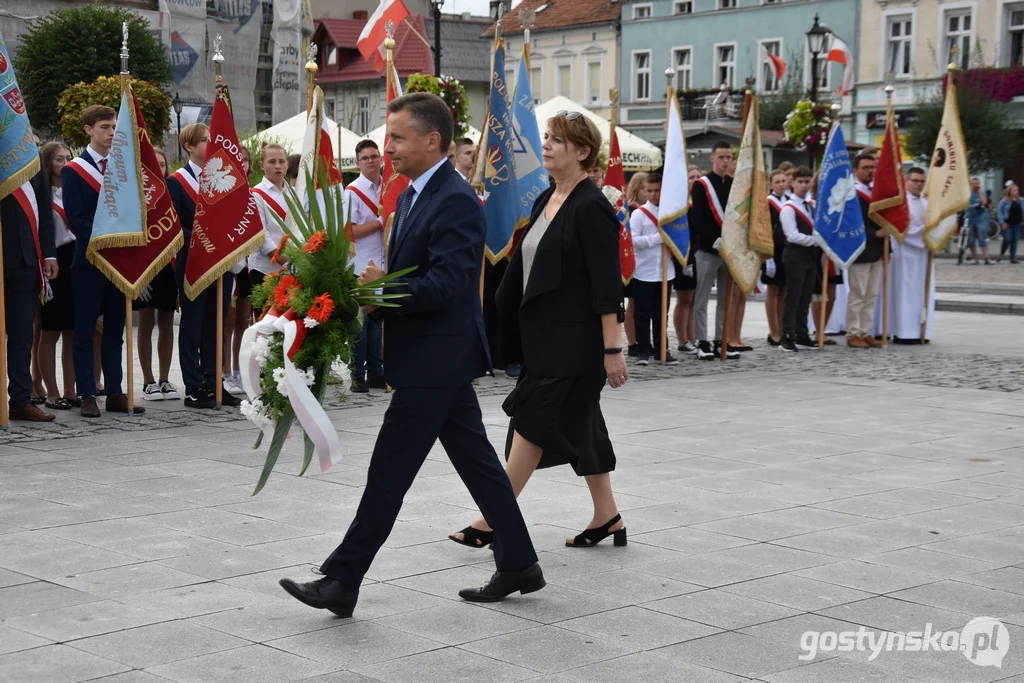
{"points": [[786, 166], [462, 142], [861, 158], [192, 134], [429, 114], [721, 144], [96, 113], [776, 172], [917, 170], [653, 178], [802, 172], [365, 144]]}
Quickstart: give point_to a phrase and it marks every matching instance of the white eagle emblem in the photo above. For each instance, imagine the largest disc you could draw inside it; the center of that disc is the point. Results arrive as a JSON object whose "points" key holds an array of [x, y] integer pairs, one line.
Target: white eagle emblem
{"points": [[843, 191], [218, 177]]}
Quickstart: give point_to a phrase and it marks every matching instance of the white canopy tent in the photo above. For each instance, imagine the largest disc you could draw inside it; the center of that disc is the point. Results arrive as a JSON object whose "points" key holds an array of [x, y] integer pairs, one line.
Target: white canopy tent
{"points": [[637, 153], [377, 135], [290, 133]]}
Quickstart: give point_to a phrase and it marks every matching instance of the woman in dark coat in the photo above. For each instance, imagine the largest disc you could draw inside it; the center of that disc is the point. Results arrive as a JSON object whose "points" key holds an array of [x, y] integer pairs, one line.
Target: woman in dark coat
{"points": [[560, 308]]}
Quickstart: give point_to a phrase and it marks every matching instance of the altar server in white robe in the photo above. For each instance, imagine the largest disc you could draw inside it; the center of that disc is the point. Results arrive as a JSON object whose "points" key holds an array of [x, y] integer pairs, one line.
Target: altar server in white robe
{"points": [[909, 268]]}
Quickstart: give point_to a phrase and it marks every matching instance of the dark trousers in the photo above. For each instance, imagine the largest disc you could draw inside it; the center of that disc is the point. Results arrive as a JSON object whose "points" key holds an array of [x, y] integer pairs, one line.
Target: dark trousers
{"points": [[1010, 239], [197, 335], [416, 418], [366, 358], [21, 299], [801, 264], [492, 278], [647, 316], [95, 295]]}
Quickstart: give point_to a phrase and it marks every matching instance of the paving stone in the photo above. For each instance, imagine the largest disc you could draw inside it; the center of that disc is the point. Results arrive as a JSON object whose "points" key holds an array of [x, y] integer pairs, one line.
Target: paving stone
{"points": [[147, 646], [722, 610], [55, 664], [647, 667], [548, 649], [455, 623], [443, 666], [354, 644], [735, 653], [253, 664]]}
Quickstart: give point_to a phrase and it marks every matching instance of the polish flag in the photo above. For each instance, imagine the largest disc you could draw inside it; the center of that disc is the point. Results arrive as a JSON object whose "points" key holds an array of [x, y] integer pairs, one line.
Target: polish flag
{"points": [[392, 183], [778, 64], [840, 53], [371, 40]]}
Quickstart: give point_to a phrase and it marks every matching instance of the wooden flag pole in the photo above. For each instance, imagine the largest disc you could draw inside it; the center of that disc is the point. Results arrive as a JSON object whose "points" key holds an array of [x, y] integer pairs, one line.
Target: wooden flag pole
{"points": [[218, 375], [5, 404], [128, 328], [927, 292], [824, 304], [885, 291]]}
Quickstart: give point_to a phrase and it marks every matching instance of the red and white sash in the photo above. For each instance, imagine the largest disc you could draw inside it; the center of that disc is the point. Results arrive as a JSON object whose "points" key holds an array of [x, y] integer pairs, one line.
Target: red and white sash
{"points": [[776, 204], [802, 216], [716, 206], [26, 198], [648, 214], [271, 202], [188, 183], [58, 209], [89, 173], [366, 200], [864, 191]]}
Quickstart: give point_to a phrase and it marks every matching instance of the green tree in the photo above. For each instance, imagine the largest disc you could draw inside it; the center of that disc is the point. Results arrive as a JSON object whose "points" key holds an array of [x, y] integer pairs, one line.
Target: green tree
{"points": [[78, 45], [155, 106], [775, 107], [989, 129]]}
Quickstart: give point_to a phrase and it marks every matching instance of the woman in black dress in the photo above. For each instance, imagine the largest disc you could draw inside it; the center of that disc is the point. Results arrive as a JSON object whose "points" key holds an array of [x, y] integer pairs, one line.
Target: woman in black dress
{"points": [[560, 308]]}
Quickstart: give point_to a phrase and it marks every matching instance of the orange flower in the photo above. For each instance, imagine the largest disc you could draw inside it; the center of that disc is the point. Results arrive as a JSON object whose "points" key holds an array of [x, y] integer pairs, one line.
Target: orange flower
{"points": [[283, 291], [316, 242], [321, 309], [276, 257]]}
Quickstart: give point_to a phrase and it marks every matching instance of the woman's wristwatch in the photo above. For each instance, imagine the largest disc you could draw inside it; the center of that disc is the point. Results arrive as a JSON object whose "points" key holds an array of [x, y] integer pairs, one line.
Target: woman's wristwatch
{"points": [[613, 351]]}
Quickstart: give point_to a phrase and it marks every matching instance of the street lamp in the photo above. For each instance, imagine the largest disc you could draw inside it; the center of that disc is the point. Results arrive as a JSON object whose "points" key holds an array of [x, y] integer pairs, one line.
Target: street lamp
{"points": [[178, 104], [436, 4], [816, 45]]}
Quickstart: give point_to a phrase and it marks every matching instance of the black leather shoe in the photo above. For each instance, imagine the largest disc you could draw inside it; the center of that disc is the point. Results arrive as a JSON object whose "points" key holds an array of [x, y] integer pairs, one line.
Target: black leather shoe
{"points": [[503, 584], [325, 593], [227, 399]]}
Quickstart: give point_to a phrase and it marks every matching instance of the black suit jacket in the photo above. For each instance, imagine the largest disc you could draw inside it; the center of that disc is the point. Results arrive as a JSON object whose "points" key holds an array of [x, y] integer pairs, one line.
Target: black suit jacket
{"points": [[18, 242], [436, 338], [872, 246], [704, 229], [554, 327], [186, 209]]}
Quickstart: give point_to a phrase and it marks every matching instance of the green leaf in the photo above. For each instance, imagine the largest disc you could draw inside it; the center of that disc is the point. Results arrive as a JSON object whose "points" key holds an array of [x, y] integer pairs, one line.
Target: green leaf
{"points": [[276, 444], [259, 440]]}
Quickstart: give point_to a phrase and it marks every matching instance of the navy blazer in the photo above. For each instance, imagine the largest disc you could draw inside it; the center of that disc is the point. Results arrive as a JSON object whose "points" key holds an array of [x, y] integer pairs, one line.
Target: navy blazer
{"points": [[186, 209], [80, 206], [436, 337], [19, 243]]}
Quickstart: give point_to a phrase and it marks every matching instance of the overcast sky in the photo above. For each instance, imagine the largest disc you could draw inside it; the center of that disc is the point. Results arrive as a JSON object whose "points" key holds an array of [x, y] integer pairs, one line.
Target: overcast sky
{"points": [[477, 7]]}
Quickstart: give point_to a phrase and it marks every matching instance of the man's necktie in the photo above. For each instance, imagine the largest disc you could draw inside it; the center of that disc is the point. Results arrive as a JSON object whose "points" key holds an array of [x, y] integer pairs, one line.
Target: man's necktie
{"points": [[103, 166], [403, 212]]}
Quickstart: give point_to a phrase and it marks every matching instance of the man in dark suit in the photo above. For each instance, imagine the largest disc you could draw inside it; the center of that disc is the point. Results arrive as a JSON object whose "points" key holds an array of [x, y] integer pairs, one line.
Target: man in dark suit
{"points": [[434, 346], [29, 257], [95, 295]]}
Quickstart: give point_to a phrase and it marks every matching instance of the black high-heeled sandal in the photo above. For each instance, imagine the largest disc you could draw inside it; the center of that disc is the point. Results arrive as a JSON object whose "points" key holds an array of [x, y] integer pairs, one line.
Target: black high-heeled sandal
{"points": [[591, 537], [474, 538]]}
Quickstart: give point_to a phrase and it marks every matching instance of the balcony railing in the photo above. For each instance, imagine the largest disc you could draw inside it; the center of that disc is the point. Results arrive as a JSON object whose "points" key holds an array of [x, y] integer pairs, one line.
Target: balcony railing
{"points": [[1000, 85], [711, 105]]}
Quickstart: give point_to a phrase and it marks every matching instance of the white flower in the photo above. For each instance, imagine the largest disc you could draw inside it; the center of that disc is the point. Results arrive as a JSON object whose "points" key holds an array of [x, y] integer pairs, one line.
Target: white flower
{"points": [[308, 377], [261, 349], [310, 323], [256, 413], [282, 382]]}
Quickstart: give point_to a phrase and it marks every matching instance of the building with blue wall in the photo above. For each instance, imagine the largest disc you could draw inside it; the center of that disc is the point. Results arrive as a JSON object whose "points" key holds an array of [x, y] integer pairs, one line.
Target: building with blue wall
{"points": [[714, 42]]}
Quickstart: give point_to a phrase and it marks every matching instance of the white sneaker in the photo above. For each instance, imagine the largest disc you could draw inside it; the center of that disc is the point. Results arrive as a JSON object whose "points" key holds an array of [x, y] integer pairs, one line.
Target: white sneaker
{"points": [[234, 385], [169, 391], [151, 392]]}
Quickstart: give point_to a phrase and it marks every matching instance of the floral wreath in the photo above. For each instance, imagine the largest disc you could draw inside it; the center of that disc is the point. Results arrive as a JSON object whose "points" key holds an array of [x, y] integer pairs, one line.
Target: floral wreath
{"points": [[807, 126], [450, 90]]}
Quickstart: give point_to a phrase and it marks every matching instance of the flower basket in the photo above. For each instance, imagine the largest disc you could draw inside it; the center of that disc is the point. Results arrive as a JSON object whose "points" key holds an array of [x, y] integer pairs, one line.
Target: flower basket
{"points": [[807, 127]]}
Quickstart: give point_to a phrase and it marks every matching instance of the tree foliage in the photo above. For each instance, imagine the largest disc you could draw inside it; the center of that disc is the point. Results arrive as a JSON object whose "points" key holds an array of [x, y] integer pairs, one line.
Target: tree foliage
{"points": [[775, 107], [989, 130], [155, 106], [77, 45]]}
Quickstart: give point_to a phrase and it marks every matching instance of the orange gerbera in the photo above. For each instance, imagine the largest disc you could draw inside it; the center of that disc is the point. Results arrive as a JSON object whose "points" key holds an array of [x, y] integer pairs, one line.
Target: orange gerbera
{"points": [[321, 309], [276, 257], [316, 242], [283, 291]]}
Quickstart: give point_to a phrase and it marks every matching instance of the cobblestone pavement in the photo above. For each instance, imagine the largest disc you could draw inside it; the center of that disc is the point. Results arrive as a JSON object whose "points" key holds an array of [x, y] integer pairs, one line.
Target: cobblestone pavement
{"points": [[947, 271]]}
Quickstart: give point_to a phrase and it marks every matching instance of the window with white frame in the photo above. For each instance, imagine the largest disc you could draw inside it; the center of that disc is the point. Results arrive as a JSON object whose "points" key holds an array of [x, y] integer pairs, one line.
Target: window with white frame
{"points": [[535, 84], [899, 39], [565, 80], [363, 114], [725, 64], [1015, 37], [642, 75], [685, 7], [682, 62], [594, 81], [768, 80], [958, 26], [642, 11], [726, 4]]}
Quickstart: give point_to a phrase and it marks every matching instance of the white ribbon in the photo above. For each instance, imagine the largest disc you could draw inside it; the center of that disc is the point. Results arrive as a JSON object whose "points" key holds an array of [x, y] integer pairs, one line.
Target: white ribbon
{"points": [[250, 366]]}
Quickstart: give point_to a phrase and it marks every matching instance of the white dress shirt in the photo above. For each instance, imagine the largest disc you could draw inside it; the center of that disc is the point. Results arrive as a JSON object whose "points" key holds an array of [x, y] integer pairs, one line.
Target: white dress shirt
{"points": [[421, 182], [259, 260], [370, 247], [915, 233], [788, 219], [96, 156], [647, 244]]}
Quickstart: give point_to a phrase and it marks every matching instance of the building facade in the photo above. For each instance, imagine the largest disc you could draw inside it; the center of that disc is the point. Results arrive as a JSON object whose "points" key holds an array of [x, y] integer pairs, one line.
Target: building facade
{"points": [[716, 43]]}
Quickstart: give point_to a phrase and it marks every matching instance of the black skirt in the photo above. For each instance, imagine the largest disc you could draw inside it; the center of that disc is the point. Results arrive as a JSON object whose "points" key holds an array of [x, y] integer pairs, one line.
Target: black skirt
{"points": [[563, 417], [58, 313]]}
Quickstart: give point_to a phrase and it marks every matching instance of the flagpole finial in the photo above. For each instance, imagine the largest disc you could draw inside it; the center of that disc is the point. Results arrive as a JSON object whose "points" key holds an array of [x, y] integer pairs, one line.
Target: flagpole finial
{"points": [[527, 17], [389, 31], [951, 67], [218, 56], [124, 48], [750, 82], [613, 97], [311, 67]]}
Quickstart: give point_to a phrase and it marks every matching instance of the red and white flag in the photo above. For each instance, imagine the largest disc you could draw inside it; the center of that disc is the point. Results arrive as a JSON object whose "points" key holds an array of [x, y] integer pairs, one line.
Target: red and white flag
{"points": [[840, 53], [615, 177], [371, 40], [393, 183], [317, 156], [778, 63]]}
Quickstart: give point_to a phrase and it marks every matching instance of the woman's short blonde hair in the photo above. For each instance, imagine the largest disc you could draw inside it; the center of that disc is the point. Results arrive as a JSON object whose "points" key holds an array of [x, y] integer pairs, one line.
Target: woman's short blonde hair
{"points": [[581, 132], [192, 134], [635, 184]]}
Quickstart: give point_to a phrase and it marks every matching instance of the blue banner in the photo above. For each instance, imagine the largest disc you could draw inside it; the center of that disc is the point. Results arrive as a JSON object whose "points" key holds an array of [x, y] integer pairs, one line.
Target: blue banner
{"points": [[500, 195], [531, 177], [120, 214], [838, 223], [19, 156]]}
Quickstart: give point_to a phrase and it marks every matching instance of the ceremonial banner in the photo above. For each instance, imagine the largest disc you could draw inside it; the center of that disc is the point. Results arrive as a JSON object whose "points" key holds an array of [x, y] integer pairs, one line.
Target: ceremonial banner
{"points": [[227, 226], [675, 195], [531, 177], [392, 183], [239, 23], [746, 225], [615, 180], [19, 156], [192, 78], [132, 268], [289, 77], [889, 207], [838, 222], [948, 187], [500, 195], [120, 217]]}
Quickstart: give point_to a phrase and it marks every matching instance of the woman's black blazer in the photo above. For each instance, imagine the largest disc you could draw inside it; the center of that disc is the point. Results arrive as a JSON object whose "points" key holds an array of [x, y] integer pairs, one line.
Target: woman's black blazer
{"points": [[554, 328]]}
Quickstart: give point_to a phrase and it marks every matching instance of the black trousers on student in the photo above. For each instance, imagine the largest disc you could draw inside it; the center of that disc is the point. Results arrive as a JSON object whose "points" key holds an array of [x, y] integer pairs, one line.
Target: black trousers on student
{"points": [[801, 266], [647, 316]]}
